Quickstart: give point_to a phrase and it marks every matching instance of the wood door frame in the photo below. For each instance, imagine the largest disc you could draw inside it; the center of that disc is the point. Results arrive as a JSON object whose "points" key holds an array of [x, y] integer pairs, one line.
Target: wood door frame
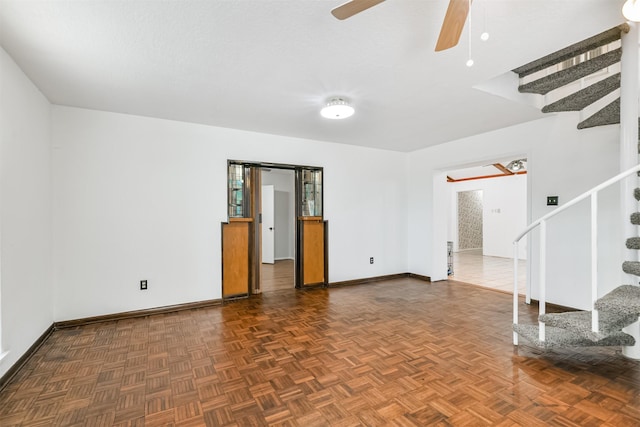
{"points": [[254, 188]]}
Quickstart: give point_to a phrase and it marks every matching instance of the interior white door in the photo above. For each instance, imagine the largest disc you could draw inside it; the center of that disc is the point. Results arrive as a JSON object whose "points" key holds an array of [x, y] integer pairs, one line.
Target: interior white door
{"points": [[268, 233]]}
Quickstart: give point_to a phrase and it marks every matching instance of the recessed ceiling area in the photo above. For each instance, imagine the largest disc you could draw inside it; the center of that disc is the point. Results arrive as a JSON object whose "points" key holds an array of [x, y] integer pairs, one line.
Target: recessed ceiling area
{"points": [[270, 66]]}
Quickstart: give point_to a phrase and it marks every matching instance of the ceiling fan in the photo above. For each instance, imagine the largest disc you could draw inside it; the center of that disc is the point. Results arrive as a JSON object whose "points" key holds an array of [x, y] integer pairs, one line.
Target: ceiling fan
{"points": [[454, 19]]}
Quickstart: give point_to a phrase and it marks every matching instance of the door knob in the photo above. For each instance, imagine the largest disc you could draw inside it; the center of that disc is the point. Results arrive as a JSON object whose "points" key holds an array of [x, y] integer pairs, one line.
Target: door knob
{"points": [[271, 228]]}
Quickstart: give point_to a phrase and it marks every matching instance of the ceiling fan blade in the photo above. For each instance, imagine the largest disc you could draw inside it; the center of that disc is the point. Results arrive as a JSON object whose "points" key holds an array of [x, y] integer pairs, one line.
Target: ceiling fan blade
{"points": [[453, 24], [354, 6]]}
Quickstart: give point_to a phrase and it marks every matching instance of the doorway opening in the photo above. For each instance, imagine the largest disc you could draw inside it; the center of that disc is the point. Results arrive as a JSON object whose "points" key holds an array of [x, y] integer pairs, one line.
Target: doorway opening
{"points": [[278, 228], [242, 233], [470, 209], [488, 207]]}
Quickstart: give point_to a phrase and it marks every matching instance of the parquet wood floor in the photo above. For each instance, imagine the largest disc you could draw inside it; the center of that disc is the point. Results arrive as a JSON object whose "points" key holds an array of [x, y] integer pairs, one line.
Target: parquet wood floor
{"points": [[395, 353], [279, 275]]}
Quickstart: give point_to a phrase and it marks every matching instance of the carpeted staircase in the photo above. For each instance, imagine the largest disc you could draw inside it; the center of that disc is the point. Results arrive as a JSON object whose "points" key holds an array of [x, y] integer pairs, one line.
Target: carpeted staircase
{"points": [[584, 60], [620, 307], [616, 310]]}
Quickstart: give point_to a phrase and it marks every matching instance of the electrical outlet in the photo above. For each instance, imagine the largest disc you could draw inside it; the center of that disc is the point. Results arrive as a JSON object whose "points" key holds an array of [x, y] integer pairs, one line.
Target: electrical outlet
{"points": [[143, 285], [552, 200], [371, 260]]}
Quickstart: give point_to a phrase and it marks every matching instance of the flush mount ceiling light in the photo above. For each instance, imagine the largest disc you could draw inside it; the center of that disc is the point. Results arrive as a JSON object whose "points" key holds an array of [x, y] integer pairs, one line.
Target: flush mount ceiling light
{"points": [[516, 165], [337, 108], [631, 10]]}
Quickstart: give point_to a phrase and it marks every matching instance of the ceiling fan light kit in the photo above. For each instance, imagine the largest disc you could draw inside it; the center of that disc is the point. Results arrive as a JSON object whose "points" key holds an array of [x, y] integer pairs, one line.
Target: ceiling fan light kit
{"points": [[337, 108], [631, 10]]}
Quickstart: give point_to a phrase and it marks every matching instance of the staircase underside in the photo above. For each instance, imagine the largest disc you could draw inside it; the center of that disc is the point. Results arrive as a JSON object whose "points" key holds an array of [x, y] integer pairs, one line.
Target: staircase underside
{"points": [[558, 338]]}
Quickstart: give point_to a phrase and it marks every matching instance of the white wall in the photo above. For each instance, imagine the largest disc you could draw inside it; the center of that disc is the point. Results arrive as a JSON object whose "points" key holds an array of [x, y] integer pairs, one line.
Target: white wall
{"points": [[141, 198], [562, 161], [504, 212], [25, 212], [283, 182]]}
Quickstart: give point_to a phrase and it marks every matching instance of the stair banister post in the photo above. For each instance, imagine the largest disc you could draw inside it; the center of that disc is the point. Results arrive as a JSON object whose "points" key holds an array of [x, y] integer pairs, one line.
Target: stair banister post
{"points": [[543, 278], [594, 261], [515, 290], [629, 75]]}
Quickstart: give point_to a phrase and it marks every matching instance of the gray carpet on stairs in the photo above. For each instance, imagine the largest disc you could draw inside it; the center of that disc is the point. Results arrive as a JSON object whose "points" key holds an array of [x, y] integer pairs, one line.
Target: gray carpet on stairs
{"points": [[553, 81], [580, 322], [636, 192], [635, 218], [633, 243], [569, 52], [624, 300], [608, 115], [584, 97], [631, 267], [558, 337]]}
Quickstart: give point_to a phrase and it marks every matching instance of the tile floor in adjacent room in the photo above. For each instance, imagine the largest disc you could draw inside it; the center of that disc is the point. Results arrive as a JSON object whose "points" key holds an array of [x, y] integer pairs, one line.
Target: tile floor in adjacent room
{"points": [[472, 267]]}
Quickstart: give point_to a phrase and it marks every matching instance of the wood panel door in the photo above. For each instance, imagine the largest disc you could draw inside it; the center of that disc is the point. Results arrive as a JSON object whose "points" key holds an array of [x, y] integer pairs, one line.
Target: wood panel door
{"points": [[312, 253], [236, 257]]}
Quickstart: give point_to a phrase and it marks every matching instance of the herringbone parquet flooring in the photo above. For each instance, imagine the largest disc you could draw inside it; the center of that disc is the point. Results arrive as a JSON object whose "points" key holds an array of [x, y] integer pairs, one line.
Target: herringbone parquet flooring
{"points": [[395, 353]]}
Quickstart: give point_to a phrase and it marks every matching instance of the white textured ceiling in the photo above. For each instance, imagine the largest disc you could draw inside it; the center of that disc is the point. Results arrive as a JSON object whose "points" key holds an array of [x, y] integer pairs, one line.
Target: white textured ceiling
{"points": [[268, 65]]}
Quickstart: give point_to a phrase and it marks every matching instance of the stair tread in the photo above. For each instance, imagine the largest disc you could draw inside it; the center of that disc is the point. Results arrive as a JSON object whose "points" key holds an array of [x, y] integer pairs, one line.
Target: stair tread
{"points": [[575, 49], [636, 191], [553, 81], [631, 267], [635, 218], [580, 322], [584, 97], [624, 299], [608, 115], [633, 243], [559, 337]]}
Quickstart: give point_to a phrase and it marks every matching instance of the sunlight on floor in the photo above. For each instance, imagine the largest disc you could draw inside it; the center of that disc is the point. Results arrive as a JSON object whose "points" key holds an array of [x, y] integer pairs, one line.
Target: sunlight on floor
{"points": [[490, 272]]}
